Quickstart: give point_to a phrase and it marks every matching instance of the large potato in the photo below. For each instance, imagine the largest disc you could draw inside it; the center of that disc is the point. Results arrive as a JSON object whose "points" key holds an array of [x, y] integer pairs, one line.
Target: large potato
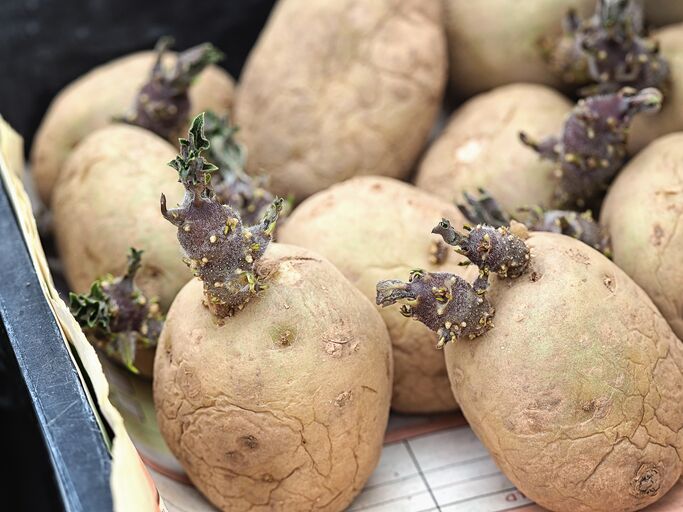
{"points": [[641, 212], [480, 147], [96, 98], [107, 200], [282, 406], [373, 228], [645, 129], [497, 42], [577, 390], [339, 88]]}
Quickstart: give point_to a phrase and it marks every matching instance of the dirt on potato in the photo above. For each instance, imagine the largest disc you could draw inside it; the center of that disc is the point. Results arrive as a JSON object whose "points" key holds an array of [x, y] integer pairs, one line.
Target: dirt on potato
{"points": [[107, 200], [374, 228], [99, 96], [576, 391], [642, 213], [480, 147], [338, 89], [282, 406]]}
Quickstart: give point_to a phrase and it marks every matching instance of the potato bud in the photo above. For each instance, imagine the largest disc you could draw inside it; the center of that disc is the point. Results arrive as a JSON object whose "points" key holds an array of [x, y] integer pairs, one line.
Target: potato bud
{"points": [[218, 248], [592, 146], [163, 104], [444, 302], [491, 249], [118, 318], [610, 46]]}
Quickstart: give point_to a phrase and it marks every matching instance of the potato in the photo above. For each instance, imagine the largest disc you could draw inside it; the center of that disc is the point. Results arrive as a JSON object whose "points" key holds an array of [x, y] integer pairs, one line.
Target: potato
{"points": [[282, 406], [663, 12], [338, 89], [106, 92], [107, 200], [480, 147], [670, 119], [497, 42], [577, 390], [641, 212], [353, 224]]}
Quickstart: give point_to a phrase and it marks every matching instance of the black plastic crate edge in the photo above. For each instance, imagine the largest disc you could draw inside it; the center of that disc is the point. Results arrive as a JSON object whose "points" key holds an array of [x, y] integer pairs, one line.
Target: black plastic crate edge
{"points": [[79, 456]]}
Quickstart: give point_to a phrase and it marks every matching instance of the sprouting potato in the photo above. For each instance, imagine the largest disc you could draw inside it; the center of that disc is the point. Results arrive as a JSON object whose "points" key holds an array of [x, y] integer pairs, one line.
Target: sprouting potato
{"points": [[103, 94], [272, 378], [562, 365], [480, 147], [498, 42]]}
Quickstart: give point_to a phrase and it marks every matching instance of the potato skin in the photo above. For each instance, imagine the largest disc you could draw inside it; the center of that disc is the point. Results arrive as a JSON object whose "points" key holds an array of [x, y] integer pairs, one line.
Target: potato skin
{"points": [[480, 147], [663, 12], [577, 390], [641, 212], [339, 88], [108, 91], [496, 42], [373, 228], [645, 129], [284, 405], [107, 200]]}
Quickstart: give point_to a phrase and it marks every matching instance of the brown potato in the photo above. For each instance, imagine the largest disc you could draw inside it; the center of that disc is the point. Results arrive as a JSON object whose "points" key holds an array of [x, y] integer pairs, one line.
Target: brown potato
{"points": [[645, 129], [497, 42], [107, 200], [338, 89], [96, 98], [282, 406], [373, 228], [641, 212], [577, 390], [480, 147]]}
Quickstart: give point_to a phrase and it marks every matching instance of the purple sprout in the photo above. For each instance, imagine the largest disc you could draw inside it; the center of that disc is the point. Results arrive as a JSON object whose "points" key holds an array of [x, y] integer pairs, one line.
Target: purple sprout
{"points": [[591, 149], [444, 302], [218, 248]]}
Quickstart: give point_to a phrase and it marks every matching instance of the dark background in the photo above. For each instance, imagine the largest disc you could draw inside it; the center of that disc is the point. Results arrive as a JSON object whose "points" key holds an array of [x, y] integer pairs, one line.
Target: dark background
{"points": [[45, 44]]}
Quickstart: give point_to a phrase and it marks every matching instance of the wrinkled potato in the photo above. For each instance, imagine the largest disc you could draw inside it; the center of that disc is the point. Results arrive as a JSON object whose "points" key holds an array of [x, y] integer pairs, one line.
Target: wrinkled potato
{"points": [[645, 129], [480, 147], [338, 89], [282, 406], [354, 225], [96, 98], [107, 200], [663, 12], [641, 212], [577, 390], [497, 42]]}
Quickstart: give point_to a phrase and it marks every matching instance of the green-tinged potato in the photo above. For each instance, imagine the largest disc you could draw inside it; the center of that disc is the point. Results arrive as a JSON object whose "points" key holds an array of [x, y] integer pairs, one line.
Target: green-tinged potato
{"points": [[498, 42], [282, 406], [577, 389], [107, 200], [107, 92], [642, 213], [373, 228], [645, 129], [338, 89], [663, 12], [480, 147]]}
